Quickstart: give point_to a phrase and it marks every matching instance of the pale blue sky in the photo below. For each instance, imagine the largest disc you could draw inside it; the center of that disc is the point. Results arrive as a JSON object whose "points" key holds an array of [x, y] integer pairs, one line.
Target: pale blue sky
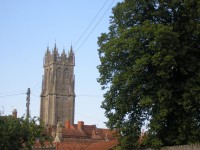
{"points": [[27, 28]]}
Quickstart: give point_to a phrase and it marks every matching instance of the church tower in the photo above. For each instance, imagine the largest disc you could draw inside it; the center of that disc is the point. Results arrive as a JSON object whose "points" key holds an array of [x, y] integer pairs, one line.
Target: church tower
{"points": [[58, 96]]}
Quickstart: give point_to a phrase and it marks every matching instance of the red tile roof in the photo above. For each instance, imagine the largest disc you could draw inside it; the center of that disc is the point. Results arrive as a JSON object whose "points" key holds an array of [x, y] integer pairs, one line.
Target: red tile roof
{"points": [[87, 145], [72, 145], [105, 134], [73, 132], [85, 137], [103, 145], [87, 132]]}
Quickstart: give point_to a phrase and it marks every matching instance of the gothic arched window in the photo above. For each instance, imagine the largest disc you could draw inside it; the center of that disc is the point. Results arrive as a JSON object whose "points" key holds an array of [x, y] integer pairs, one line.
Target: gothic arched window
{"points": [[65, 75], [58, 72], [46, 75], [50, 75]]}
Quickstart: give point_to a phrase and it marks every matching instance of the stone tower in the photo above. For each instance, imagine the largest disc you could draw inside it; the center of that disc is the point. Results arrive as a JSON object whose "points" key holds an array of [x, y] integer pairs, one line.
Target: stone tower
{"points": [[58, 96]]}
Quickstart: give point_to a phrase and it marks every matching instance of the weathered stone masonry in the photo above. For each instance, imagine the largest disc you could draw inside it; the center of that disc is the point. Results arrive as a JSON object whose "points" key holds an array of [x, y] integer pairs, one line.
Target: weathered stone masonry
{"points": [[58, 96]]}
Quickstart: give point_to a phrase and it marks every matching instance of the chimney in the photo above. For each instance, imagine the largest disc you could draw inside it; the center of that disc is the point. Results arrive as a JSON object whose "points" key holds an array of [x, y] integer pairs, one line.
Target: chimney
{"points": [[67, 124], [80, 125], [14, 113]]}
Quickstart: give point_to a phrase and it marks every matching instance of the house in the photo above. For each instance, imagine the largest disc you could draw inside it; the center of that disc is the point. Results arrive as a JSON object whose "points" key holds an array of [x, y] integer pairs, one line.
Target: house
{"points": [[80, 137]]}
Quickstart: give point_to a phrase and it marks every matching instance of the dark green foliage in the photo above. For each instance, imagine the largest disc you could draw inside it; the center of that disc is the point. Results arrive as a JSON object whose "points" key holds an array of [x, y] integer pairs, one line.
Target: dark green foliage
{"points": [[150, 67], [20, 133]]}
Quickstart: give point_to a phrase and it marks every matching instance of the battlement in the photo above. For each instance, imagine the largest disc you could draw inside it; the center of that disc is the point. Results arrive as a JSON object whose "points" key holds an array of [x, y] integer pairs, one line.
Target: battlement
{"points": [[53, 56]]}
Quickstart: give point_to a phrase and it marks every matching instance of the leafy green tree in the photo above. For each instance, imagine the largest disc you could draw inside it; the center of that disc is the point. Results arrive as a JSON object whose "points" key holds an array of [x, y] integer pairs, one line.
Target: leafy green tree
{"points": [[20, 133], [150, 69]]}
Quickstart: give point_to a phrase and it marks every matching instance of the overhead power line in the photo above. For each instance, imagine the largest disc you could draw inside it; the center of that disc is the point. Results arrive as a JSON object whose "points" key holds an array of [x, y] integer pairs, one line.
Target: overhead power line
{"points": [[91, 23], [89, 95], [12, 94], [89, 117], [36, 86], [95, 26]]}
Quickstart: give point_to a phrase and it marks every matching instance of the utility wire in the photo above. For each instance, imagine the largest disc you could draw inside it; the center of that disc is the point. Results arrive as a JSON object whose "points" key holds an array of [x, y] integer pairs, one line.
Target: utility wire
{"points": [[12, 95], [10, 92], [91, 23], [37, 85], [90, 95], [95, 26], [89, 117]]}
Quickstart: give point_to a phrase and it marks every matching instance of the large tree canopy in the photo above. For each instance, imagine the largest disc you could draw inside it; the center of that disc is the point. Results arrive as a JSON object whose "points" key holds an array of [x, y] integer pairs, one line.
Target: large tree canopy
{"points": [[20, 133], [150, 69]]}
